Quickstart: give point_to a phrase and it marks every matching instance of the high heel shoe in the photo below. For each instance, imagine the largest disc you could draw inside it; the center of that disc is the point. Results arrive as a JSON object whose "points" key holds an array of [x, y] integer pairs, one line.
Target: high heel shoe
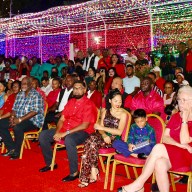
{"points": [[122, 189], [94, 178], [83, 185]]}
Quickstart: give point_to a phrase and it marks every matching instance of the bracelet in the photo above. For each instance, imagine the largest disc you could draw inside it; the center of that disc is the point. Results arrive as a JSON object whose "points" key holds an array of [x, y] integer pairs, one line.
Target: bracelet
{"points": [[184, 122], [20, 120], [67, 132]]}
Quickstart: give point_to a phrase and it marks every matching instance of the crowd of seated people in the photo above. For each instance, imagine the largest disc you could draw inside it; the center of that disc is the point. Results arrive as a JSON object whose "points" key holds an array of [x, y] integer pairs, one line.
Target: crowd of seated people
{"points": [[74, 90]]}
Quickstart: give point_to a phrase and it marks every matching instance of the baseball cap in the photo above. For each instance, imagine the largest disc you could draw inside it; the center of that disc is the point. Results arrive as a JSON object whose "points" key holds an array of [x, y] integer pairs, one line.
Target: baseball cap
{"points": [[156, 69]]}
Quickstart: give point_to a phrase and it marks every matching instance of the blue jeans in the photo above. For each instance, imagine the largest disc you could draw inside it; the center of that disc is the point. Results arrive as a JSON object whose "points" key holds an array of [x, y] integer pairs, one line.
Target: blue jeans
{"points": [[122, 147], [71, 141]]}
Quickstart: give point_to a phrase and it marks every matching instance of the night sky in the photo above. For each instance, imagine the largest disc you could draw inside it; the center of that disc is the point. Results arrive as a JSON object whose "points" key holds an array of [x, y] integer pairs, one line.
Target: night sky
{"points": [[28, 6]]}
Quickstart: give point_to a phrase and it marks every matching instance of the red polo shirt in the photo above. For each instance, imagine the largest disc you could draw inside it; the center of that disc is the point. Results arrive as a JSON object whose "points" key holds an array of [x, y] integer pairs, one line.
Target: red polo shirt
{"points": [[189, 61], [151, 103], [78, 111], [52, 97], [104, 62]]}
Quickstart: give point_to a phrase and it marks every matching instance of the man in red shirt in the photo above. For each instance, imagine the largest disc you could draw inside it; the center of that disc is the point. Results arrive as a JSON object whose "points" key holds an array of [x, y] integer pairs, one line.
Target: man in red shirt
{"points": [[74, 127], [159, 81], [148, 99], [188, 69], [94, 95], [105, 60]]}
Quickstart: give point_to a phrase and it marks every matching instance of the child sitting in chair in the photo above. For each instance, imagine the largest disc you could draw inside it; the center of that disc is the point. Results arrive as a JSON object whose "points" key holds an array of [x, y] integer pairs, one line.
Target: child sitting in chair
{"points": [[141, 138]]}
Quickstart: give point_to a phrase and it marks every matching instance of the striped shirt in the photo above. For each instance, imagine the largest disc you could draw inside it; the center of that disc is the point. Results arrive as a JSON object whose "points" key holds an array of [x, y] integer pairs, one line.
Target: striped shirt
{"points": [[33, 102], [157, 90]]}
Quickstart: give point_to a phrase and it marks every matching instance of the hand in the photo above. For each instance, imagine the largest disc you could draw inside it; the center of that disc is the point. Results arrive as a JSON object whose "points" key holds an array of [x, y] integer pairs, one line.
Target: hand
{"points": [[98, 127], [131, 147], [107, 140], [13, 121], [97, 75], [188, 147], [185, 114], [16, 121], [59, 136], [58, 115]]}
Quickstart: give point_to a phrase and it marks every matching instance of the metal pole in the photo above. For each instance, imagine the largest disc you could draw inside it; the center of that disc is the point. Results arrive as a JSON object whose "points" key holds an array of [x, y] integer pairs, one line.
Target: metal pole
{"points": [[86, 30], [151, 26]]}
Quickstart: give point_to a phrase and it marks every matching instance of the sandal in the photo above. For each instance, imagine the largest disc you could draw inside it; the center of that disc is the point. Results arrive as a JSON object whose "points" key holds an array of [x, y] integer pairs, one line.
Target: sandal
{"points": [[82, 185], [94, 178]]}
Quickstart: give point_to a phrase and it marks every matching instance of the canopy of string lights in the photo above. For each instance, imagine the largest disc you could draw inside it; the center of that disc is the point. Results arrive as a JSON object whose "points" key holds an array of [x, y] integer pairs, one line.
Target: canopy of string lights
{"points": [[97, 15]]}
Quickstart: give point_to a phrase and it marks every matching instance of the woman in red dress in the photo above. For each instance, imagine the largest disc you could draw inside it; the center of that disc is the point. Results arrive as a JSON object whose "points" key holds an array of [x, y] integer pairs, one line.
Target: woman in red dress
{"points": [[175, 153]]}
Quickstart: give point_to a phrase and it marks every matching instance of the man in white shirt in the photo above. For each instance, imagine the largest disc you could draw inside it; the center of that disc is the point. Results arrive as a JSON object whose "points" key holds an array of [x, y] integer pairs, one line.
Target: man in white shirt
{"points": [[130, 58], [90, 61], [131, 83], [46, 86], [62, 99]]}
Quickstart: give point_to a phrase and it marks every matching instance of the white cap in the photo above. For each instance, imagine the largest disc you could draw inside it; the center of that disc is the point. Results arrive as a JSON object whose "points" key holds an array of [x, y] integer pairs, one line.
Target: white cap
{"points": [[156, 69]]}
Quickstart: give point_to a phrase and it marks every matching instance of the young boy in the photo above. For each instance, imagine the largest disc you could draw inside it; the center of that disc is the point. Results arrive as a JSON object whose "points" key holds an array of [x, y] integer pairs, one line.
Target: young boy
{"points": [[141, 138]]}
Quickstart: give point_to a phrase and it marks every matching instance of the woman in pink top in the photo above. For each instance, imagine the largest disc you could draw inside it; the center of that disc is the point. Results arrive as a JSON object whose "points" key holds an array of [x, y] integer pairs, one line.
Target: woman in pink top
{"points": [[175, 153]]}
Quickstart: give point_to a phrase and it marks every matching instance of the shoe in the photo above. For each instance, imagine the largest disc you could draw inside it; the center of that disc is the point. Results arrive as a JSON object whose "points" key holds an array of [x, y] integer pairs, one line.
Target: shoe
{"points": [[121, 189], [142, 156], [83, 185], [154, 187], [70, 178], [14, 156], [47, 168], [9, 153], [94, 177], [183, 180]]}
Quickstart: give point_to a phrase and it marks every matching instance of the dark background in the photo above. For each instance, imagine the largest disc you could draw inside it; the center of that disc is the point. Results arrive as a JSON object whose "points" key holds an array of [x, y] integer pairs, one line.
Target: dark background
{"points": [[28, 6]]}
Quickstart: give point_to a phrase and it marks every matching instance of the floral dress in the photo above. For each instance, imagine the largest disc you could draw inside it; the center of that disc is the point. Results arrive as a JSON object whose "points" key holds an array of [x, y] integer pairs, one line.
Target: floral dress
{"points": [[92, 146]]}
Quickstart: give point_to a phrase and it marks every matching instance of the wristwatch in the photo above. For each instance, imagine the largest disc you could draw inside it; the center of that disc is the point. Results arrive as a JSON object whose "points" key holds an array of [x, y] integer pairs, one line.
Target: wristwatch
{"points": [[67, 132]]}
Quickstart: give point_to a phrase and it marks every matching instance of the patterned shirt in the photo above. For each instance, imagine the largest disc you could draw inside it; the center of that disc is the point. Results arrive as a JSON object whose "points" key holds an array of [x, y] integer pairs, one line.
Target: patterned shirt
{"points": [[138, 135], [33, 102]]}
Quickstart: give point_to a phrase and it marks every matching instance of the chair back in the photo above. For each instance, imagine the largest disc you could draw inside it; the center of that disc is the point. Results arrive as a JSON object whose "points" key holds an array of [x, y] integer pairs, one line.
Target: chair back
{"points": [[45, 108], [125, 133], [158, 125]]}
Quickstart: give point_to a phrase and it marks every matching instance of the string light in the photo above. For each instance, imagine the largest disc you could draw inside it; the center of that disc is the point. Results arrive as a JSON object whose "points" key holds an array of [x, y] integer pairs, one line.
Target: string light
{"points": [[50, 45], [126, 23]]}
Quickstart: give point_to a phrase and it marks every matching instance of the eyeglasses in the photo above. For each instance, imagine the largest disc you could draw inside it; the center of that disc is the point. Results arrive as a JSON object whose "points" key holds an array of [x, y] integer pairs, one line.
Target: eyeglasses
{"points": [[183, 100]]}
